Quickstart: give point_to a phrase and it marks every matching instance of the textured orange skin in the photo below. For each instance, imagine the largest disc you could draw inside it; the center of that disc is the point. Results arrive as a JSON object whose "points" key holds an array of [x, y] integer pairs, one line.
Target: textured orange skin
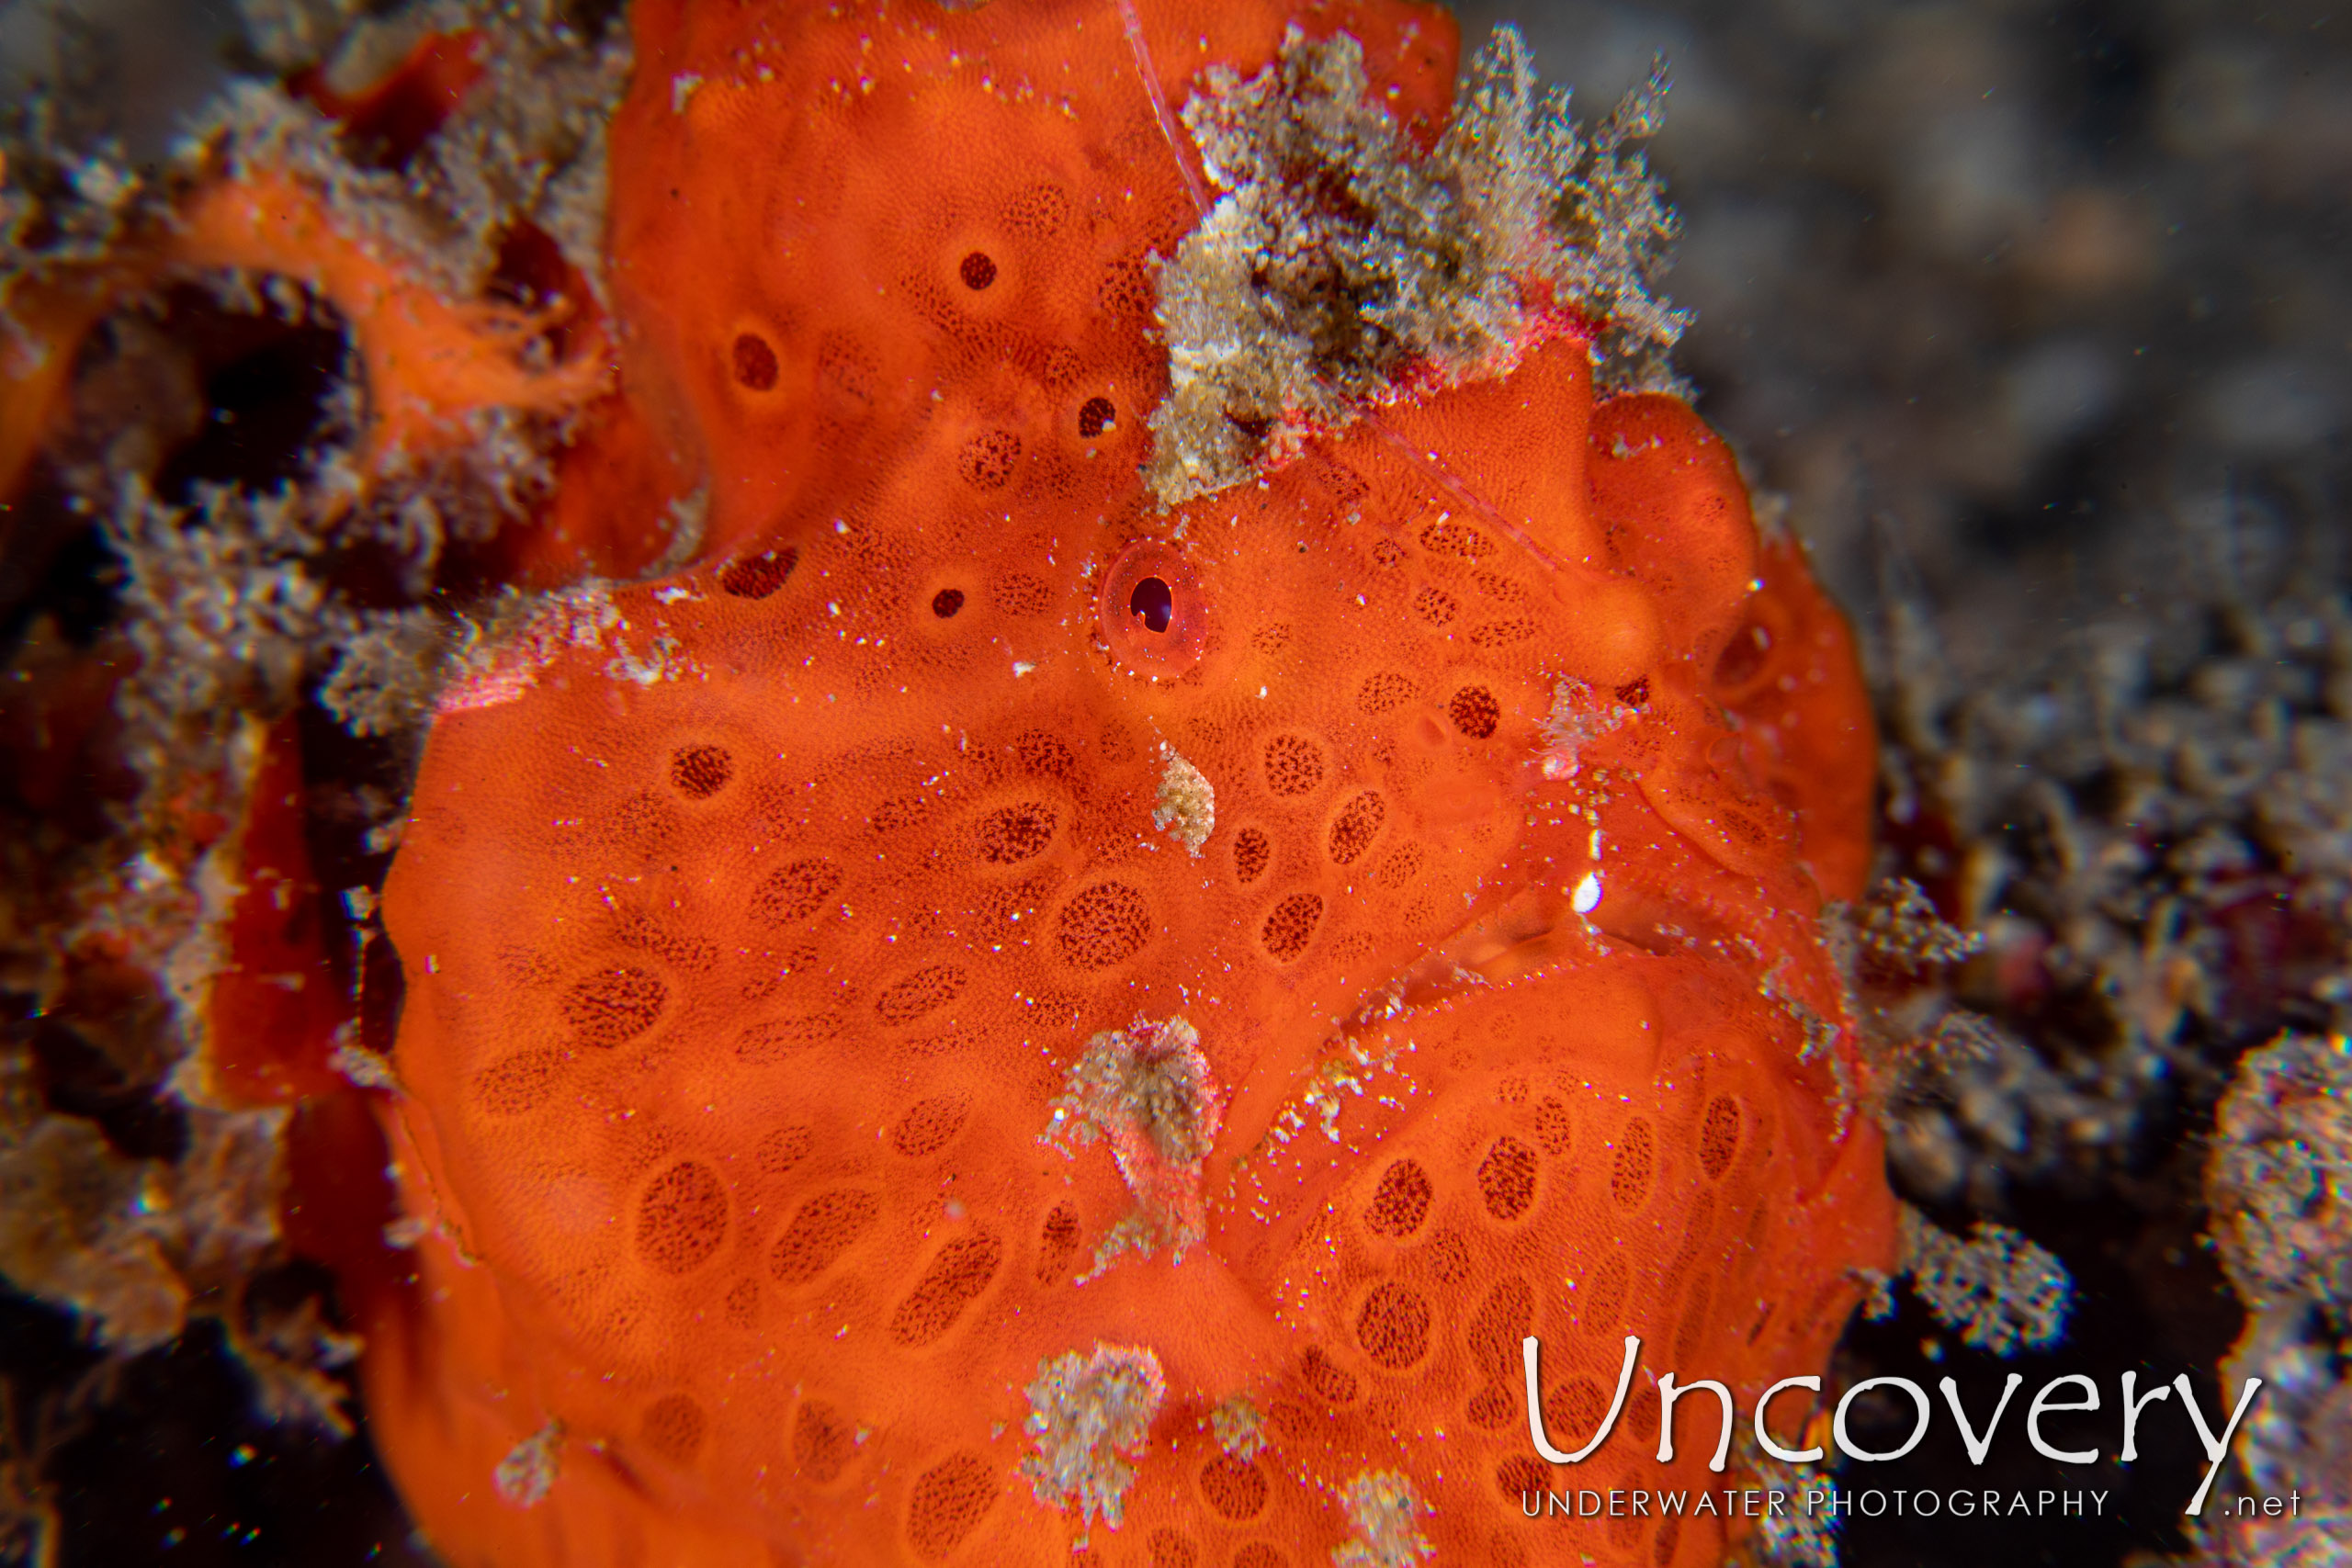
{"points": [[718, 1409]]}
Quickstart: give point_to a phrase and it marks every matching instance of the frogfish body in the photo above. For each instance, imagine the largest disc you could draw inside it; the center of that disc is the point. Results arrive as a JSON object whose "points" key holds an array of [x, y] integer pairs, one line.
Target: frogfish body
{"points": [[1005, 1009]]}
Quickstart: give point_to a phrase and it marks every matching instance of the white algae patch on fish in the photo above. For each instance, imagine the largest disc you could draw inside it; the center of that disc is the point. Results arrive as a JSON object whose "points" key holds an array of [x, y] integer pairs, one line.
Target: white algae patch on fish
{"points": [[1338, 265], [1084, 1412]]}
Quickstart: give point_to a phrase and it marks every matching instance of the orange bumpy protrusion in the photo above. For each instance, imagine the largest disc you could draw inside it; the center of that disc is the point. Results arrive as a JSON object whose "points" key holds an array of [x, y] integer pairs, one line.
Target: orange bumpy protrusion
{"points": [[430, 362], [433, 365], [795, 1109]]}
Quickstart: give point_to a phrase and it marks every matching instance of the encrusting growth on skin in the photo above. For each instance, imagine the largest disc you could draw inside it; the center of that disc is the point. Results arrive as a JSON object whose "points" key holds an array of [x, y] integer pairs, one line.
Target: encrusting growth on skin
{"points": [[1147, 1091], [527, 1473], [1341, 265], [364, 1069], [1382, 1504], [1085, 1411], [1997, 1290], [1578, 716], [1186, 809], [1238, 1428]]}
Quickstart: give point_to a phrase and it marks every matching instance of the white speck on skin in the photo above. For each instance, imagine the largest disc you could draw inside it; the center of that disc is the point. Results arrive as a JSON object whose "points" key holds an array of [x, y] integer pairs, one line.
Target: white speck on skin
{"points": [[1587, 897], [1021, 667]]}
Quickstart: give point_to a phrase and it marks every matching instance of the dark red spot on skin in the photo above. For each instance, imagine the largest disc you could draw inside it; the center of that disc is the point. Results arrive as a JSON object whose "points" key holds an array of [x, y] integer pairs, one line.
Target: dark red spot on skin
{"points": [[977, 271], [1475, 712], [1153, 604], [755, 365], [701, 772], [757, 577], [946, 602], [1096, 415]]}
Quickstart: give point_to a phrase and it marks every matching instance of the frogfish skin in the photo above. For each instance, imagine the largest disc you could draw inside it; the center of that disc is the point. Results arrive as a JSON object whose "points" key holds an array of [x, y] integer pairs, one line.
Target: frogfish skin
{"points": [[990, 1015]]}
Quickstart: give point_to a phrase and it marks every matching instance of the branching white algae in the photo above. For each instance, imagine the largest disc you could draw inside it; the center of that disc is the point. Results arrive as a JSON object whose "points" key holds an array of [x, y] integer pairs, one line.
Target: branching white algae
{"points": [[1340, 266]]}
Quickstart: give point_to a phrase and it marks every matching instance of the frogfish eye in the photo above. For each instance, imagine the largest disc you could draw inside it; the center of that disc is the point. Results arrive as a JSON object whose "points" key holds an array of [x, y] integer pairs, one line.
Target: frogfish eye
{"points": [[1152, 603], [1154, 615]]}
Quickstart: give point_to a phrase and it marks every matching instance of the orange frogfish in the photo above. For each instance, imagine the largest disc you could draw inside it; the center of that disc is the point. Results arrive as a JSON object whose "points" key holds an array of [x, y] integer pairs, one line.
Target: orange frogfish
{"points": [[1231, 823]]}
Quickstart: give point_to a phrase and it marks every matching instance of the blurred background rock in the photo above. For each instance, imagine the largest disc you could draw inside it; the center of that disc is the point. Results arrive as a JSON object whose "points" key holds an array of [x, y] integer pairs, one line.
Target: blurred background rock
{"points": [[2041, 285]]}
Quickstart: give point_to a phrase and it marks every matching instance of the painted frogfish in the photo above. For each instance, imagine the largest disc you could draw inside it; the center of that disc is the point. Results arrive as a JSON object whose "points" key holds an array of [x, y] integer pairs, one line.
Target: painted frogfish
{"points": [[1228, 820]]}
